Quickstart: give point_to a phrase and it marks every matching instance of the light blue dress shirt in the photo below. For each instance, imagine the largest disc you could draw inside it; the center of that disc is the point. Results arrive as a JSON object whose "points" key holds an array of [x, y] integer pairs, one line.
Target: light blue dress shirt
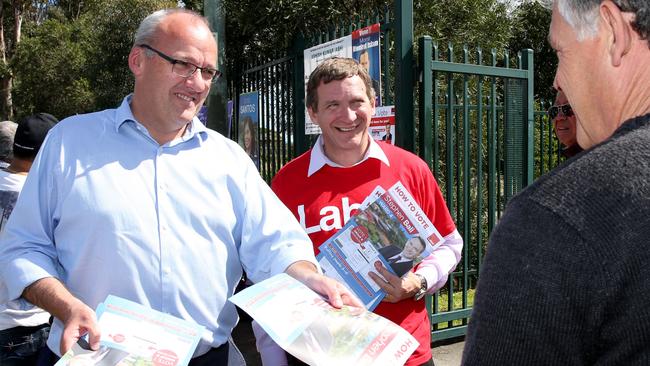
{"points": [[108, 210]]}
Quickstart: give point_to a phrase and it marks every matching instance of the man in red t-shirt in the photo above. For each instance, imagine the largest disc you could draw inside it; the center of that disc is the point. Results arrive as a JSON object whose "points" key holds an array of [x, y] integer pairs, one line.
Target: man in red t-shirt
{"points": [[324, 187]]}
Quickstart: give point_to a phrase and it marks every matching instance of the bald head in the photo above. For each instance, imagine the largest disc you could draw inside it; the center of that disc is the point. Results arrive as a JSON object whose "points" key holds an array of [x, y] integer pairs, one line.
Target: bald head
{"points": [[164, 21]]}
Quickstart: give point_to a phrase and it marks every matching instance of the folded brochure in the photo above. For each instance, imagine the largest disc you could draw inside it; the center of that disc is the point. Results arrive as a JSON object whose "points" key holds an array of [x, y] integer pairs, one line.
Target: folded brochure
{"points": [[305, 325], [389, 227], [135, 335]]}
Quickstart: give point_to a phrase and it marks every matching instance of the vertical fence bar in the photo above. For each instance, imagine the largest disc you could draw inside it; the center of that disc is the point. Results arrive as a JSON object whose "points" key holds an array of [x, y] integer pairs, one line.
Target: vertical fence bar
{"points": [[436, 116], [529, 111], [425, 130], [449, 138], [466, 171], [479, 163], [491, 141], [404, 134]]}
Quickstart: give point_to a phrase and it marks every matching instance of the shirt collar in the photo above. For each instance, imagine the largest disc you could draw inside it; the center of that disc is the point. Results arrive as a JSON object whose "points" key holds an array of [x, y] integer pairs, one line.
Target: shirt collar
{"points": [[124, 114], [318, 159]]}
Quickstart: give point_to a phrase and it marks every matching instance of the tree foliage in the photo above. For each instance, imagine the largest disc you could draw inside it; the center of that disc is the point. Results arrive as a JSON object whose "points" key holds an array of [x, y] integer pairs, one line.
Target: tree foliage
{"points": [[530, 23], [49, 69], [257, 28], [75, 61], [73, 53], [482, 23]]}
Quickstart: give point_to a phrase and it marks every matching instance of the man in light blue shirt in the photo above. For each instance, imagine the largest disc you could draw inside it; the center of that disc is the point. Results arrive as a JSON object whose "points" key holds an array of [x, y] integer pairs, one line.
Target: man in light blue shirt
{"points": [[145, 203]]}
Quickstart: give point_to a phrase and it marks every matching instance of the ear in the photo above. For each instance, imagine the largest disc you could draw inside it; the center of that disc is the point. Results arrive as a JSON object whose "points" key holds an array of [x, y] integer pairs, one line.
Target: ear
{"points": [[312, 115], [619, 31], [136, 59]]}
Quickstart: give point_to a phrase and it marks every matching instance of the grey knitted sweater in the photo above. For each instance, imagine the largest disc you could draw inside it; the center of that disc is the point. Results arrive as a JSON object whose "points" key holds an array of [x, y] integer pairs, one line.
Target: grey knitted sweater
{"points": [[566, 278]]}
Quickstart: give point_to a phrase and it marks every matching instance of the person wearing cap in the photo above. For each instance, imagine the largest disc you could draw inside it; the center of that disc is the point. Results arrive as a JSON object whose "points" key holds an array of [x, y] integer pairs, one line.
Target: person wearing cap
{"points": [[564, 125], [7, 132], [147, 192], [23, 327]]}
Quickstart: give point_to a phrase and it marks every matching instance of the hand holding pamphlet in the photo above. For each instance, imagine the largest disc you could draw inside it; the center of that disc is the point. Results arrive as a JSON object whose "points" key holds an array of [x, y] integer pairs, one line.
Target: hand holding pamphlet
{"points": [[135, 335], [389, 227], [305, 325]]}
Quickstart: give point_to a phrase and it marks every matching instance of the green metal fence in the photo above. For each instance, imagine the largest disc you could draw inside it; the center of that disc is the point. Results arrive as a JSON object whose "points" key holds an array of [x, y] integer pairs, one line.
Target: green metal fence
{"points": [[476, 126], [547, 147], [476, 132]]}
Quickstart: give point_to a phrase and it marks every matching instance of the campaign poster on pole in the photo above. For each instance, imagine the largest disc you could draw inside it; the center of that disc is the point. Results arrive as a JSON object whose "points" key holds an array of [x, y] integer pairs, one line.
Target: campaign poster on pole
{"points": [[249, 125], [366, 50], [382, 124], [341, 47]]}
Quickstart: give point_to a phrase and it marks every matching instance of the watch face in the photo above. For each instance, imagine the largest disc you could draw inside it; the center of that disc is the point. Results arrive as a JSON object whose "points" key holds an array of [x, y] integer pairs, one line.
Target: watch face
{"points": [[420, 294]]}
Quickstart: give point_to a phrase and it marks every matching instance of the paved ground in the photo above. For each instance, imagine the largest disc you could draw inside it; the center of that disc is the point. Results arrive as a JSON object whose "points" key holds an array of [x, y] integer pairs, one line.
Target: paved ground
{"points": [[443, 355], [448, 355]]}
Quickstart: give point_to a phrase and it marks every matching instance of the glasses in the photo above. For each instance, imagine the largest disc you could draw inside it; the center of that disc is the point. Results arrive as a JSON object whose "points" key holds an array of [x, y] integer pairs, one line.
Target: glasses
{"points": [[186, 69], [556, 110]]}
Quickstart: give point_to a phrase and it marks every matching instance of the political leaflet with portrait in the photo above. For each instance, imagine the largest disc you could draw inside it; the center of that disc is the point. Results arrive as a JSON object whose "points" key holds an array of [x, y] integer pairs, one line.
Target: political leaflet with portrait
{"points": [[389, 227], [305, 325], [135, 335], [382, 124]]}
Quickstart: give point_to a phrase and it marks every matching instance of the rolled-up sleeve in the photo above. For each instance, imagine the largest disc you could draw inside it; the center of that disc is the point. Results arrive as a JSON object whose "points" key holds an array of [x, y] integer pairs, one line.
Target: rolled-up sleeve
{"points": [[27, 251]]}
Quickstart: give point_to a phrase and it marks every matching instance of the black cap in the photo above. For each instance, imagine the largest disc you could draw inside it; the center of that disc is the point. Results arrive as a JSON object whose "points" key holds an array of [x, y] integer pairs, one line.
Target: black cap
{"points": [[31, 132]]}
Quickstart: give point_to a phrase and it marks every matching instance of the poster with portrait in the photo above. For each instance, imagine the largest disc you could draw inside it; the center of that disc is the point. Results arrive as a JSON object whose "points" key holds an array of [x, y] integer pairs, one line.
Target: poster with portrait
{"points": [[341, 47], [366, 50], [249, 125], [382, 124]]}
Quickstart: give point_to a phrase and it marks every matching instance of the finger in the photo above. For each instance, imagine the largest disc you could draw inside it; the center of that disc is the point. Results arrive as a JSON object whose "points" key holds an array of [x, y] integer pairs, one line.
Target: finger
{"points": [[351, 300], [380, 281], [333, 294], [390, 278], [66, 343], [94, 336]]}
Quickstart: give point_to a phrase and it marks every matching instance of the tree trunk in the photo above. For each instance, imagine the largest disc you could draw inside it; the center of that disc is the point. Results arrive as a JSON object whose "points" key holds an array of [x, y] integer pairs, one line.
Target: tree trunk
{"points": [[5, 81]]}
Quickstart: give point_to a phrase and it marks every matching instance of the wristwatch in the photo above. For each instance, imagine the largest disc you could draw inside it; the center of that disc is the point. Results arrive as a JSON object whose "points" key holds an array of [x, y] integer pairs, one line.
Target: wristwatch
{"points": [[423, 288]]}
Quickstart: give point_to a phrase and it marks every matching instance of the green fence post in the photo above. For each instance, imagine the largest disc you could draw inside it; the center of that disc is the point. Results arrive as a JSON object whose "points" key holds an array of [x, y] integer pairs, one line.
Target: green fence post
{"points": [[528, 65], [300, 138], [218, 96], [426, 90], [405, 124]]}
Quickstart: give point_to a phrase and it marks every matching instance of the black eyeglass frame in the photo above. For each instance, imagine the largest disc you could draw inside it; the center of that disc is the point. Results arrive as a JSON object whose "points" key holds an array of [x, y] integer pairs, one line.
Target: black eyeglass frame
{"points": [[174, 62], [555, 110]]}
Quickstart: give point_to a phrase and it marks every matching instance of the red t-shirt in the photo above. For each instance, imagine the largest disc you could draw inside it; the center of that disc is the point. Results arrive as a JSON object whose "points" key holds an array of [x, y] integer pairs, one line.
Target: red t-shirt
{"points": [[325, 201]]}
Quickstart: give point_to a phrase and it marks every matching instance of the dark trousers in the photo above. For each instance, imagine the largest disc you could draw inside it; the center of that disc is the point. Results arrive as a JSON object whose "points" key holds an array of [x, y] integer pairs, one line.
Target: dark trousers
{"points": [[215, 357], [292, 361], [21, 346]]}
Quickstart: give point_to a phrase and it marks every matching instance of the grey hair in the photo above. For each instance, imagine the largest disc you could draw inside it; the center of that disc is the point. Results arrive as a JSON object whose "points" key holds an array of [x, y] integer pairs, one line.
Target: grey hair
{"points": [[583, 15], [147, 31], [7, 133]]}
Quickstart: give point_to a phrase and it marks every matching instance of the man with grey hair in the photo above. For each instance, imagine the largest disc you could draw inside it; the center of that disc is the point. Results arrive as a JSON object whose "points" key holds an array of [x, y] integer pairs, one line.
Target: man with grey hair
{"points": [[565, 278], [7, 132], [145, 203]]}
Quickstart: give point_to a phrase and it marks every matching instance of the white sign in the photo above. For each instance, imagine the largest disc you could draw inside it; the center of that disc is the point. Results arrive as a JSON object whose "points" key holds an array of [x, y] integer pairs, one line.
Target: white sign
{"points": [[341, 47]]}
